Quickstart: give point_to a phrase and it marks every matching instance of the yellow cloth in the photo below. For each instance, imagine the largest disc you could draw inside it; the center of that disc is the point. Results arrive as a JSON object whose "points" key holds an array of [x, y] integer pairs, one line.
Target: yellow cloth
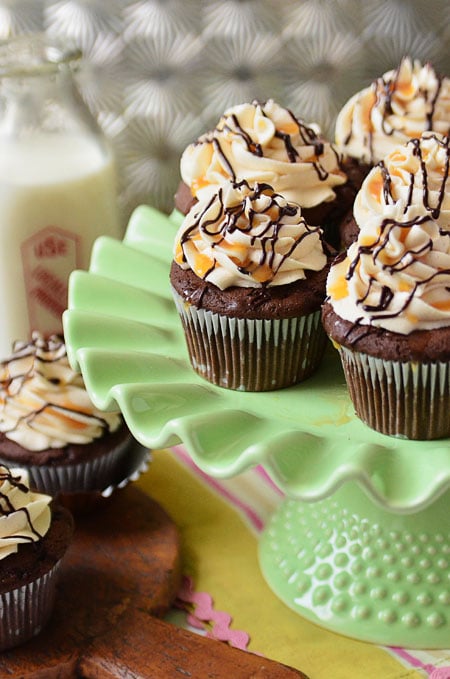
{"points": [[219, 552]]}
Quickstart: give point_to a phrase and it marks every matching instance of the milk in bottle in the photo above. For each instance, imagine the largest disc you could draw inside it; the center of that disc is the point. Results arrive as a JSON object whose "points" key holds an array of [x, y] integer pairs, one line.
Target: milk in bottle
{"points": [[58, 189]]}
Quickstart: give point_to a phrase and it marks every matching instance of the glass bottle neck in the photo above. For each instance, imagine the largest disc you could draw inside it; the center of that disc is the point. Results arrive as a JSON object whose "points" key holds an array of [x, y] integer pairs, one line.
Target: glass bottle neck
{"points": [[46, 102]]}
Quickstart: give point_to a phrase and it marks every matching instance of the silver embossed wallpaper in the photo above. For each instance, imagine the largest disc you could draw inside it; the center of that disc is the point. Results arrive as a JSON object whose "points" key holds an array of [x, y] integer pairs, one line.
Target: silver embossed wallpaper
{"points": [[157, 73]]}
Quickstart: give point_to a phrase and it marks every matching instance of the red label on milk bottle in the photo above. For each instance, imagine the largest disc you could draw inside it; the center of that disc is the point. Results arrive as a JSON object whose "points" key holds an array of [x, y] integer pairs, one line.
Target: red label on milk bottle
{"points": [[48, 257]]}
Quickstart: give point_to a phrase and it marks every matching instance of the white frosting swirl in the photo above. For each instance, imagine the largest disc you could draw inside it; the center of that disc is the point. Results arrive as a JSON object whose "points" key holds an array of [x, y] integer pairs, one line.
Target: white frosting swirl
{"points": [[24, 515], [397, 274], [248, 237], [43, 402], [399, 106], [264, 143]]}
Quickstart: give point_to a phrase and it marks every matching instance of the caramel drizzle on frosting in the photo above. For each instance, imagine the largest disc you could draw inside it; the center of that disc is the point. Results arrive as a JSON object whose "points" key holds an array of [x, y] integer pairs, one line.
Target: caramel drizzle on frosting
{"points": [[376, 248], [226, 222], [48, 351], [7, 508], [384, 90], [307, 134]]}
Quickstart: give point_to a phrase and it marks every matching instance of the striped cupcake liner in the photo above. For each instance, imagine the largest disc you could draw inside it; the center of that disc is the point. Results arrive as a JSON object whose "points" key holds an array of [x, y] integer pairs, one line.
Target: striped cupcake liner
{"points": [[410, 400], [92, 474], [252, 355], [25, 611]]}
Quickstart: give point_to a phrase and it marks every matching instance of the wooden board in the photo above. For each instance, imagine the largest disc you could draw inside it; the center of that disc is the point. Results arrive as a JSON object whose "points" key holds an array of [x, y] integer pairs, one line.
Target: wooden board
{"points": [[120, 574], [125, 553], [142, 647]]}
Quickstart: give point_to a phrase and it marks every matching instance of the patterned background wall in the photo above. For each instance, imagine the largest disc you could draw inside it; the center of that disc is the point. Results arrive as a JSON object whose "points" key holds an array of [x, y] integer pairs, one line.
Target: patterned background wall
{"points": [[159, 72]]}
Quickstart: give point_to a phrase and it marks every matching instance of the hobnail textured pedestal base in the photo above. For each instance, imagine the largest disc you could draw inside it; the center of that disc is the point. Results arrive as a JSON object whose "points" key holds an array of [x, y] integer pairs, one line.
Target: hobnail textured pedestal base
{"points": [[362, 571]]}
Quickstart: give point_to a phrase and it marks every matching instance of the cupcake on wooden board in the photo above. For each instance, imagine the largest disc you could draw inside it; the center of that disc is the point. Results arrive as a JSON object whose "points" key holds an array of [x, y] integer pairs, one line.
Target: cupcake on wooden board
{"points": [[399, 106], [34, 536], [49, 425], [266, 143], [248, 280], [388, 304]]}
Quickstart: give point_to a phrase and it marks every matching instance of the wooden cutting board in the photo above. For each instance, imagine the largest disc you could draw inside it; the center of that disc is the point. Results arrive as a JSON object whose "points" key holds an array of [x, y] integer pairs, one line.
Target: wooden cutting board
{"points": [[122, 573]]}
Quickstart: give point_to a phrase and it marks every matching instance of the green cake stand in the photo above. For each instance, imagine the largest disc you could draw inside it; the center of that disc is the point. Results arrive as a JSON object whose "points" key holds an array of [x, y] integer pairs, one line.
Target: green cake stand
{"points": [[361, 544]]}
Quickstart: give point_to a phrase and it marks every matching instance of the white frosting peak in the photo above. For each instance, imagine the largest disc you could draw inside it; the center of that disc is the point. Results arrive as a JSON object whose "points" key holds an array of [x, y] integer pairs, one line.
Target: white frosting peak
{"points": [[264, 143], [397, 274], [399, 106], [43, 402], [24, 515], [249, 237]]}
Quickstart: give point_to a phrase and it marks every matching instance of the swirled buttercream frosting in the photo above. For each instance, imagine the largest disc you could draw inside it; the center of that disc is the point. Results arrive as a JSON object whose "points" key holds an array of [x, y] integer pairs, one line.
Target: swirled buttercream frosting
{"points": [[248, 236], [396, 275], [43, 402], [24, 515], [399, 106], [265, 143]]}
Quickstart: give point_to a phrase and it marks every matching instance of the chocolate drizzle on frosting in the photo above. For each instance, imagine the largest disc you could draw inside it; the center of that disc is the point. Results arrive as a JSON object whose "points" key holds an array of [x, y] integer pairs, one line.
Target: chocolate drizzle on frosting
{"points": [[264, 142], [384, 90], [431, 112], [251, 231], [7, 506], [444, 143], [375, 249], [400, 105], [223, 158], [309, 138], [226, 221], [43, 402], [399, 267], [252, 146]]}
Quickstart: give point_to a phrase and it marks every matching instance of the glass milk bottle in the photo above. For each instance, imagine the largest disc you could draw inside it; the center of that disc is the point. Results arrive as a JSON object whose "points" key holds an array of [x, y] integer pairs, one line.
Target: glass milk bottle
{"points": [[57, 186]]}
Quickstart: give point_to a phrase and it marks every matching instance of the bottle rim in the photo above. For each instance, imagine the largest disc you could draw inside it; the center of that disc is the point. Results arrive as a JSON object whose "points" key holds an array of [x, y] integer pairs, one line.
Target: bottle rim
{"points": [[35, 54]]}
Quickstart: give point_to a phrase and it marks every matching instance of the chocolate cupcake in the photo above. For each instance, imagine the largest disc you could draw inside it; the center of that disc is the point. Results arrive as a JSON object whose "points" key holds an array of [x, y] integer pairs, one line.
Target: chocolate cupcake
{"points": [[265, 143], [388, 304], [49, 425], [35, 535], [248, 280], [397, 107]]}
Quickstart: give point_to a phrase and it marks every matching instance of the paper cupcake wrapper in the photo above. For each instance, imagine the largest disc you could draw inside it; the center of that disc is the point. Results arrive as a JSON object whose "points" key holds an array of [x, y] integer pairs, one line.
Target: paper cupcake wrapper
{"points": [[138, 460], [410, 400], [101, 473], [25, 611], [248, 354]]}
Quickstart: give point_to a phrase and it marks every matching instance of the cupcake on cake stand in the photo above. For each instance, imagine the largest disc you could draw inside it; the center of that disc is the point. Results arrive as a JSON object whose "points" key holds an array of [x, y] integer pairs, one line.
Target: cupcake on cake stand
{"points": [[361, 544]]}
